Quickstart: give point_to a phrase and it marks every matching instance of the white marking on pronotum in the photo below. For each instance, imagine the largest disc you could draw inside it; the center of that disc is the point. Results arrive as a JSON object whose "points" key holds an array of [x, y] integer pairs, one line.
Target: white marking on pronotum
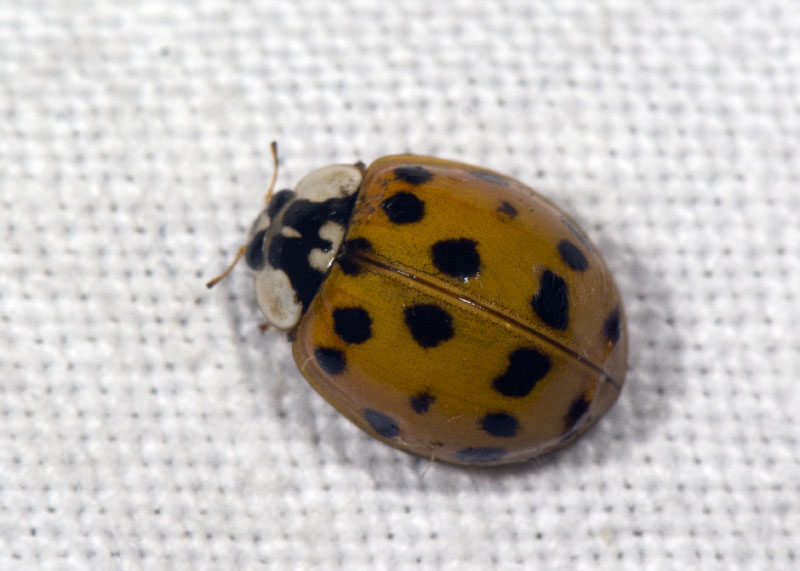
{"points": [[332, 232], [289, 232], [274, 292], [276, 298], [334, 181], [320, 259]]}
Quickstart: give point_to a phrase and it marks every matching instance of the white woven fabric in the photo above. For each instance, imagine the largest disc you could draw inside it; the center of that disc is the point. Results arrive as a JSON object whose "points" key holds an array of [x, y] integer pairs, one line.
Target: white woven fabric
{"points": [[147, 423]]}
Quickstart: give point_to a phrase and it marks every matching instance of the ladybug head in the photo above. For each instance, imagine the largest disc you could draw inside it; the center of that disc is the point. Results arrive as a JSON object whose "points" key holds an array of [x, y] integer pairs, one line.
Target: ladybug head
{"points": [[294, 240]]}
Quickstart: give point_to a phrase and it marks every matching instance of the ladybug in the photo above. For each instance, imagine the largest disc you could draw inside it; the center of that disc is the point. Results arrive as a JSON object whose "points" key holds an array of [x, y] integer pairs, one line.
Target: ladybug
{"points": [[448, 310]]}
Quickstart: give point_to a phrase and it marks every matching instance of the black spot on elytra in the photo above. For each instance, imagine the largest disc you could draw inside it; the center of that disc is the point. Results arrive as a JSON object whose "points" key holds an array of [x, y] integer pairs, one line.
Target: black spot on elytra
{"points": [[381, 423], [481, 454], [612, 327], [291, 254], [330, 360], [413, 174], [429, 324], [500, 424], [348, 263], [458, 257], [254, 253], [577, 409], [422, 401], [508, 209], [278, 201], [526, 367], [572, 256], [491, 177], [352, 324], [403, 208], [550, 302]]}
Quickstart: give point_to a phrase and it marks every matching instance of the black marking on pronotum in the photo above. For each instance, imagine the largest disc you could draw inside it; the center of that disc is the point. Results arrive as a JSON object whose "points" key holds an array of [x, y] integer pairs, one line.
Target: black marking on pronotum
{"points": [[550, 303], [381, 423], [458, 257], [278, 201], [291, 253], [413, 174], [254, 253]]}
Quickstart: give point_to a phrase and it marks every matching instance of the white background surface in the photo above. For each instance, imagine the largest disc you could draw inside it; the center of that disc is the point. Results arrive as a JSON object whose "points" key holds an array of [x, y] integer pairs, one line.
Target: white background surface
{"points": [[146, 423]]}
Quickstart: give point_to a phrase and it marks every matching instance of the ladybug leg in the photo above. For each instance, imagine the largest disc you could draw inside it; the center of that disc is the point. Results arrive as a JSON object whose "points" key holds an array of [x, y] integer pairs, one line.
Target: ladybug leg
{"points": [[222, 276], [430, 460], [274, 149]]}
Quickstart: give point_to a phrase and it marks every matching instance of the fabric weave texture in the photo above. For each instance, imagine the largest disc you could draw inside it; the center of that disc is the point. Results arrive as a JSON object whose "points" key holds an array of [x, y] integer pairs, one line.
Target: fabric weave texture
{"points": [[147, 423]]}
